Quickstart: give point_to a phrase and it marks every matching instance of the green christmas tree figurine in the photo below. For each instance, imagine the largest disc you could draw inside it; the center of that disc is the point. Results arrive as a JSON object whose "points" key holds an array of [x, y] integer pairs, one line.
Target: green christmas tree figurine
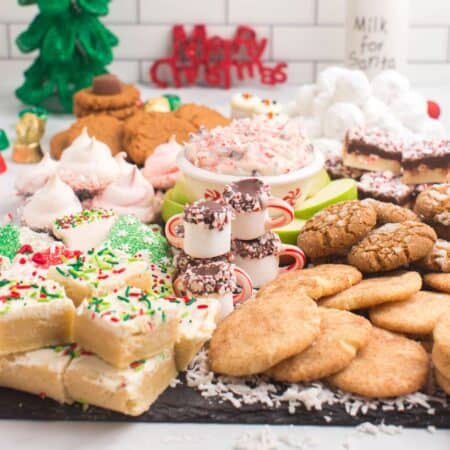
{"points": [[74, 47]]}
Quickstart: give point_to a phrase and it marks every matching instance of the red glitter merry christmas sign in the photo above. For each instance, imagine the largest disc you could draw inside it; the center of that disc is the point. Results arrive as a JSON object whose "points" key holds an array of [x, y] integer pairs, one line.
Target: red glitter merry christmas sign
{"points": [[214, 61]]}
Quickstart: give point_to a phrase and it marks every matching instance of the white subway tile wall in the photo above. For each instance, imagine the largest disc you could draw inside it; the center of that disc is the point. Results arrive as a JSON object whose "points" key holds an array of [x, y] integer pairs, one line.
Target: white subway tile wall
{"points": [[308, 34]]}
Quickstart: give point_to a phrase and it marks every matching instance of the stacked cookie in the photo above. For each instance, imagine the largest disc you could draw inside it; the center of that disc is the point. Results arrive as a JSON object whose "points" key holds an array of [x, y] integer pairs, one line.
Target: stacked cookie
{"points": [[441, 352], [109, 96]]}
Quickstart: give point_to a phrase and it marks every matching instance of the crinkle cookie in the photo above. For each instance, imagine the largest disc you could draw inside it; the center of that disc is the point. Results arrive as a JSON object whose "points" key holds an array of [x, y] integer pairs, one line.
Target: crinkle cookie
{"points": [[392, 246], [334, 230], [438, 260], [433, 207], [391, 213]]}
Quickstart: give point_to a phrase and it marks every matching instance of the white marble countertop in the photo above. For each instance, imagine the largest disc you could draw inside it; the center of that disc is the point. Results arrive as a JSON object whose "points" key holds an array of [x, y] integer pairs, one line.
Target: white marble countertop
{"points": [[42, 435]]}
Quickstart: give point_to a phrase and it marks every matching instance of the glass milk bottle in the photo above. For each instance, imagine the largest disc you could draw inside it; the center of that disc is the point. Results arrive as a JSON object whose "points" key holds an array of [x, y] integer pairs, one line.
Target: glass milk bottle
{"points": [[376, 35]]}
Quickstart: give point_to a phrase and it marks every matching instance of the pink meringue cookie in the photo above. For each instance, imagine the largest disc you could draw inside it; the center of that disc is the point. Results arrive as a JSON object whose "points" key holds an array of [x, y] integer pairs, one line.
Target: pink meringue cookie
{"points": [[34, 177], [131, 193], [125, 168], [56, 199], [161, 168]]}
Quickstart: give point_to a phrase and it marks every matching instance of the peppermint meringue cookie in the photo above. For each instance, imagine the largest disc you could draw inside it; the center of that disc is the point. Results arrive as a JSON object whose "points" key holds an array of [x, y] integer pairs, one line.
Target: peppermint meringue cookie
{"points": [[32, 178], [129, 194], [161, 169], [352, 87], [87, 166], [125, 168], [389, 85], [339, 118], [55, 199]]}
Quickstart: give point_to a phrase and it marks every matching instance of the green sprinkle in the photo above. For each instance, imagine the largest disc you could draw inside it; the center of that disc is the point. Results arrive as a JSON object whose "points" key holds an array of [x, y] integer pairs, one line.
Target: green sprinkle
{"points": [[123, 299], [4, 282]]}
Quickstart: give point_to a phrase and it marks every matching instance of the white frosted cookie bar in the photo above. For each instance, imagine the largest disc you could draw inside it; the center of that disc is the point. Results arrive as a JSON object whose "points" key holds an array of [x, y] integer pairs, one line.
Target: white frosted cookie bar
{"points": [[33, 314], [130, 391], [198, 320], [84, 230], [126, 325], [39, 372], [99, 272]]}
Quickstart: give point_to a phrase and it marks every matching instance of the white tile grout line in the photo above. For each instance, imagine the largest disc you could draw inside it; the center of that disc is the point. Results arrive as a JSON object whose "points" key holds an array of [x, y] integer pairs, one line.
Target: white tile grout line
{"points": [[8, 42], [227, 12], [138, 10], [316, 12]]}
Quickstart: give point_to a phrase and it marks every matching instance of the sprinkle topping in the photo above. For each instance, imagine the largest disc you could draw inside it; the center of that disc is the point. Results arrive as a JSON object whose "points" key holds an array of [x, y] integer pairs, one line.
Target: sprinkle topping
{"points": [[266, 245], [247, 195], [86, 216], [213, 215]]}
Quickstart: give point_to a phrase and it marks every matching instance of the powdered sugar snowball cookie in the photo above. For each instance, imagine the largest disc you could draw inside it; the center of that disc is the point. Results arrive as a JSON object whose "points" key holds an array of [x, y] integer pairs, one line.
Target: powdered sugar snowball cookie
{"points": [[432, 129], [388, 122], [339, 118], [330, 148], [326, 80], [389, 85], [54, 200], [87, 166], [161, 168], [304, 99], [33, 177], [352, 87], [321, 103], [312, 126], [129, 194], [411, 110], [374, 110]]}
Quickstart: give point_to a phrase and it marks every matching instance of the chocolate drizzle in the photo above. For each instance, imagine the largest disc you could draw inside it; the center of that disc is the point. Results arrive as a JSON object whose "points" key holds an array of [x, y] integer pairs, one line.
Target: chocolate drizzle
{"points": [[213, 278], [266, 245], [247, 195], [213, 215]]}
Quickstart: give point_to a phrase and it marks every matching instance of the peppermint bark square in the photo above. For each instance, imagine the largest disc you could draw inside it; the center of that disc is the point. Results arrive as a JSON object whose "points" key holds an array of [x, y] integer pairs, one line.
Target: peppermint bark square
{"points": [[427, 161], [386, 187], [39, 372], [33, 314], [125, 326], [130, 391], [96, 273], [373, 149]]}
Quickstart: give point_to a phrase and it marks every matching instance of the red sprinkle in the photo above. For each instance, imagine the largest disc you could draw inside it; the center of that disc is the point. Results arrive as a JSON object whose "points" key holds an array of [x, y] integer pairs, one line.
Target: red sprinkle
{"points": [[26, 248], [22, 261], [119, 270], [114, 319], [202, 306]]}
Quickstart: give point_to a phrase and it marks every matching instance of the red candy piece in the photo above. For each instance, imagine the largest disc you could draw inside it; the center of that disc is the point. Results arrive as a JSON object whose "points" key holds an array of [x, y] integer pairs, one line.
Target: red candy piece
{"points": [[26, 248], [2, 165], [48, 258], [434, 110]]}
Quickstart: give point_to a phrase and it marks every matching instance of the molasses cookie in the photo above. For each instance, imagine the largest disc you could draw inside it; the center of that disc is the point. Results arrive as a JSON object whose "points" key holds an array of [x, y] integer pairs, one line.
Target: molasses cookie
{"points": [[390, 213], [201, 116], [392, 246]]}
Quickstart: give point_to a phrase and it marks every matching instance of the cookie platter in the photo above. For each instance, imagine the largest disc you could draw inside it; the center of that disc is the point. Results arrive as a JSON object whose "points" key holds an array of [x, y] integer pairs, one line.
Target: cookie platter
{"points": [[367, 280]]}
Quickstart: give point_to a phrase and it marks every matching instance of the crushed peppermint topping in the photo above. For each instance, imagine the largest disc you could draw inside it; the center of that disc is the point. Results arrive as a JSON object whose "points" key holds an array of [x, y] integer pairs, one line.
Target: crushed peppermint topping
{"points": [[266, 245], [213, 278], [384, 186], [183, 261], [251, 147], [86, 216], [374, 140], [213, 215], [247, 195]]}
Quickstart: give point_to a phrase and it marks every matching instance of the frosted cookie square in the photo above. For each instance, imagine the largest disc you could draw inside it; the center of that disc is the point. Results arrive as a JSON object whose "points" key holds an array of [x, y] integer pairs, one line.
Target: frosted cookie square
{"points": [[126, 325], [197, 322], [130, 391], [33, 314], [39, 372], [372, 149], [96, 273], [84, 230]]}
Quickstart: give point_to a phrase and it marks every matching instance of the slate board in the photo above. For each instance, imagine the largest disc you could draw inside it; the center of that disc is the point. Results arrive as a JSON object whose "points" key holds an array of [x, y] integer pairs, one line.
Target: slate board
{"points": [[183, 404]]}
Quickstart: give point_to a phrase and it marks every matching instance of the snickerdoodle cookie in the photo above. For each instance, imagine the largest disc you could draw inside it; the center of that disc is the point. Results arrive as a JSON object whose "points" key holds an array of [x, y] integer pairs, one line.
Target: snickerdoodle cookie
{"points": [[390, 365], [263, 332], [342, 335], [442, 381], [438, 281], [416, 315], [335, 229], [433, 207], [392, 246], [441, 334], [316, 282], [375, 291]]}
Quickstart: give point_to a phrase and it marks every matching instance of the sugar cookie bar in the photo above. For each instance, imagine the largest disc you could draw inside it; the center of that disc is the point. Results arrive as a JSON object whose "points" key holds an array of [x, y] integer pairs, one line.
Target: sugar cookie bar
{"points": [[372, 149], [33, 314], [198, 320], [130, 391], [427, 162], [39, 372], [96, 273], [125, 326]]}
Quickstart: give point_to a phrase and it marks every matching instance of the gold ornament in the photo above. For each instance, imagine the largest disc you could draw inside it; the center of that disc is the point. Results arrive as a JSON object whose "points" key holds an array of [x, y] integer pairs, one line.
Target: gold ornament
{"points": [[27, 147]]}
